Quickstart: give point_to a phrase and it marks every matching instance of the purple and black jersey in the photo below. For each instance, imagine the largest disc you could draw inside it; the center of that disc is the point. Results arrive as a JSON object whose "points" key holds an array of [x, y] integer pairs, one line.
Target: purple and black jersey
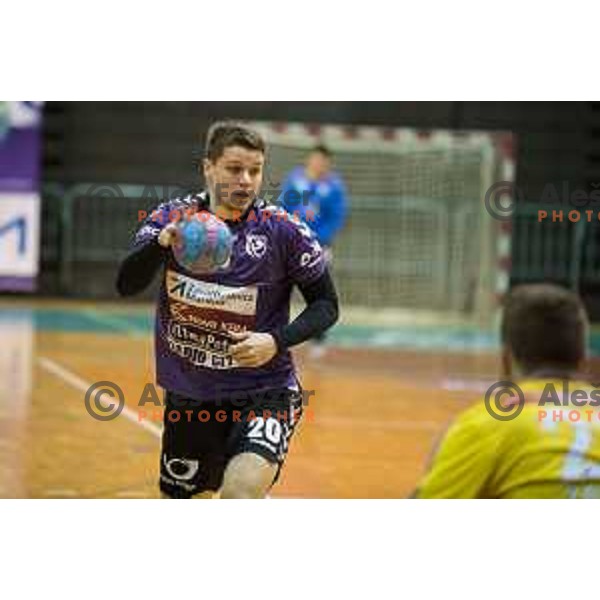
{"points": [[272, 252]]}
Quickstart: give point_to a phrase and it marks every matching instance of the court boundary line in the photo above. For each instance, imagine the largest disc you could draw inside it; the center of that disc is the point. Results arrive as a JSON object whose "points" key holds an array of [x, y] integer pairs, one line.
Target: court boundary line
{"points": [[77, 382], [80, 384]]}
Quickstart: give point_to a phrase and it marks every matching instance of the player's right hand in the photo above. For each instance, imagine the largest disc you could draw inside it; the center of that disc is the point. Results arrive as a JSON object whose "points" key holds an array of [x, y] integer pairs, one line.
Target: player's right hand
{"points": [[169, 236]]}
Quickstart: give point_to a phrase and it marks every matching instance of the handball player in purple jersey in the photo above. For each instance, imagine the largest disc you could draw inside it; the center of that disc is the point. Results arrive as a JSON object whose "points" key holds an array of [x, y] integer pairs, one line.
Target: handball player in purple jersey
{"points": [[222, 340]]}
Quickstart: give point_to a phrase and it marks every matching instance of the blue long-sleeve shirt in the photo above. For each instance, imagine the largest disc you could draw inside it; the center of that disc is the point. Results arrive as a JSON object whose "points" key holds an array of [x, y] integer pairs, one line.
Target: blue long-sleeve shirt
{"points": [[321, 204]]}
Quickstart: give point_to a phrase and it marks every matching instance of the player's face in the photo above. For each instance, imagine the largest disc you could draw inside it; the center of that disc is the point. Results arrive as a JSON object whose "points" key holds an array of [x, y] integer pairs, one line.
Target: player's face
{"points": [[234, 179], [318, 165]]}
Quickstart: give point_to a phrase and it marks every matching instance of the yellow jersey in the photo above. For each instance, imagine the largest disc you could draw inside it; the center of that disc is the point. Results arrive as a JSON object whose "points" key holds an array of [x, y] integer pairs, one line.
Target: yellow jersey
{"points": [[546, 451]]}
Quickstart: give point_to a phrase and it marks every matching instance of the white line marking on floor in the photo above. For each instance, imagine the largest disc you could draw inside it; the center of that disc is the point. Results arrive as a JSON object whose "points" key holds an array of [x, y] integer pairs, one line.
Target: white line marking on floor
{"points": [[336, 422], [83, 386]]}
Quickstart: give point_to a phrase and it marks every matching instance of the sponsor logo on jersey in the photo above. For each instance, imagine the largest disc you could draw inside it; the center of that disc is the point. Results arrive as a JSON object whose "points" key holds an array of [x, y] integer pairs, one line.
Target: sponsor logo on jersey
{"points": [[256, 245]]}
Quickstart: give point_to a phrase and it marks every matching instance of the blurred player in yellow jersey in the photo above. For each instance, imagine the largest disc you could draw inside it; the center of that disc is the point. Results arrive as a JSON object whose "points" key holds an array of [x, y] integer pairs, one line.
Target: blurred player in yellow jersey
{"points": [[530, 442]]}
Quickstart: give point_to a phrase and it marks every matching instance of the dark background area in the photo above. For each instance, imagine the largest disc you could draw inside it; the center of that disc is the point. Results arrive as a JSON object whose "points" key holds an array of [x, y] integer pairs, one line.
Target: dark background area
{"points": [[152, 143]]}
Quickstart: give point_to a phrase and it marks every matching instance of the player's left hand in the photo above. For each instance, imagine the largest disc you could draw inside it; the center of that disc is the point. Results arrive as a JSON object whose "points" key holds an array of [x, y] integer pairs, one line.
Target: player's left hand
{"points": [[253, 349]]}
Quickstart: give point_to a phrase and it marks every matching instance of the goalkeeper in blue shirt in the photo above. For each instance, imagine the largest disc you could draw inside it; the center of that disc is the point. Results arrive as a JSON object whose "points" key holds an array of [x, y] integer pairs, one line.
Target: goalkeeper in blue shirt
{"points": [[317, 195]]}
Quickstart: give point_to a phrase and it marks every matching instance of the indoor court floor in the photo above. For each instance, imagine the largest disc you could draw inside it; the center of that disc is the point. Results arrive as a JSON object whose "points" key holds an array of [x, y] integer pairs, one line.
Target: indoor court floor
{"points": [[379, 405]]}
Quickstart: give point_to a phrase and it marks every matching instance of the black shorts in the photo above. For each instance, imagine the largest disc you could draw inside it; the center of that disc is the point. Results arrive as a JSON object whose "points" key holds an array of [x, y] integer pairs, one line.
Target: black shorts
{"points": [[200, 438]]}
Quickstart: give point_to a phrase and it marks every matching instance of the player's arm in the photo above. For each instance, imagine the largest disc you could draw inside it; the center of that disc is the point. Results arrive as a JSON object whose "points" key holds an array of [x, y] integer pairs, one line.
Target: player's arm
{"points": [[138, 268], [254, 349], [321, 312], [463, 463], [306, 268]]}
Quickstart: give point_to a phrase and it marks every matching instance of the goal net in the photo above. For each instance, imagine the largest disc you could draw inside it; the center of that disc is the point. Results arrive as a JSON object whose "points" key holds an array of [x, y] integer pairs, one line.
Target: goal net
{"points": [[418, 236]]}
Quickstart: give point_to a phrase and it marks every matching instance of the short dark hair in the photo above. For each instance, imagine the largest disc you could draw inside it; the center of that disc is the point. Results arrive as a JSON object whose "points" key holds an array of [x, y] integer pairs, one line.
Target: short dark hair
{"points": [[322, 149], [225, 134], [545, 327]]}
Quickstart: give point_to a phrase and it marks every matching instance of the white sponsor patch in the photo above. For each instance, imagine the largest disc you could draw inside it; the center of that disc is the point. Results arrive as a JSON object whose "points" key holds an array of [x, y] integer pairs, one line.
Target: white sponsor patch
{"points": [[202, 314], [199, 294]]}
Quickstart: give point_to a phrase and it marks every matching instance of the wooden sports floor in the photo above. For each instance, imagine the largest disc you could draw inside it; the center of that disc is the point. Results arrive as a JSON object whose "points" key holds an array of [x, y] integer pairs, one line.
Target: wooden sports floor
{"points": [[368, 431]]}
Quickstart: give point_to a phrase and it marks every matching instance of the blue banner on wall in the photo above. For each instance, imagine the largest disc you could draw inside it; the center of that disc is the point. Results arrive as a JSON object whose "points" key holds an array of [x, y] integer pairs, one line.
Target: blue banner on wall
{"points": [[20, 158]]}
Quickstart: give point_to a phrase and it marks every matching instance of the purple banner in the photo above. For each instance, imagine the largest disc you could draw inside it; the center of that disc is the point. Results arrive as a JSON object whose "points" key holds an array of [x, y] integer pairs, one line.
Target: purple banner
{"points": [[20, 146], [17, 284], [20, 157]]}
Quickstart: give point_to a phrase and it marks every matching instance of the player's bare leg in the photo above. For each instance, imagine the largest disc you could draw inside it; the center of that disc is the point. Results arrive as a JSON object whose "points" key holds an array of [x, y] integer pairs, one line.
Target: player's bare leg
{"points": [[248, 475]]}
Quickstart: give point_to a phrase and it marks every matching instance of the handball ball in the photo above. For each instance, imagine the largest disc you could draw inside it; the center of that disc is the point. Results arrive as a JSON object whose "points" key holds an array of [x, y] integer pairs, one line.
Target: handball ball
{"points": [[204, 244]]}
